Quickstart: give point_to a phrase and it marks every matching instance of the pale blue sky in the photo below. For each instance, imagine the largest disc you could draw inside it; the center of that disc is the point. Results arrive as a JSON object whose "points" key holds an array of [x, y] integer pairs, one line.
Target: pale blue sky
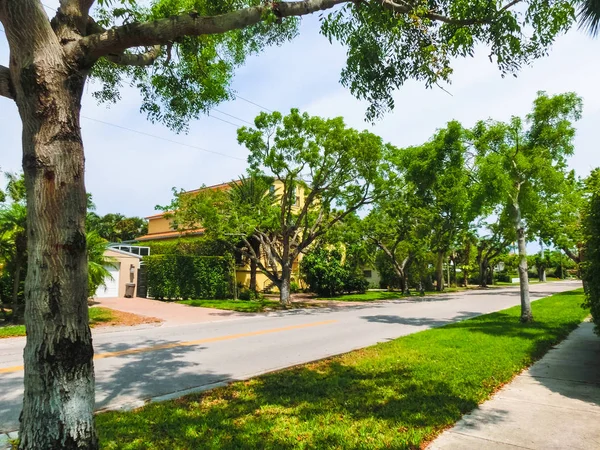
{"points": [[131, 173]]}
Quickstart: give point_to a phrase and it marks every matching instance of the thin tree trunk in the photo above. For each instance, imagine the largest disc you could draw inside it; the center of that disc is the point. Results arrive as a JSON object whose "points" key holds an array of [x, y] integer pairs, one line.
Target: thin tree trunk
{"points": [[58, 401], [253, 265], [526, 315], [285, 287], [482, 274], [439, 271]]}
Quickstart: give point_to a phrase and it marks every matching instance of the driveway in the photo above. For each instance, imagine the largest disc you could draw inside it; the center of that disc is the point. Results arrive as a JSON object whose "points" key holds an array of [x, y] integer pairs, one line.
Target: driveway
{"points": [[170, 313], [133, 366]]}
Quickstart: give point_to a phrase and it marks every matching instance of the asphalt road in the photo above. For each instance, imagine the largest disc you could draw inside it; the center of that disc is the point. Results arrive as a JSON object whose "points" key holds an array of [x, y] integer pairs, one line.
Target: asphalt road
{"points": [[134, 365]]}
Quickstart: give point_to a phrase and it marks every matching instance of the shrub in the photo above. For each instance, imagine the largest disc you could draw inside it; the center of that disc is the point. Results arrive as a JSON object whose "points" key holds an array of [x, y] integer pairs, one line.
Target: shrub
{"points": [[294, 287], [502, 277], [177, 276], [190, 246], [327, 276], [247, 294]]}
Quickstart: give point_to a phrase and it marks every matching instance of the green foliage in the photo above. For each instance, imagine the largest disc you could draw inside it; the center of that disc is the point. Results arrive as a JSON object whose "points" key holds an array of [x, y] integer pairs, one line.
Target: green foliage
{"points": [[386, 47], [591, 264], [193, 73], [185, 277], [399, 394], [327, 276], [589, 16], [116, 227], [191, 246]]}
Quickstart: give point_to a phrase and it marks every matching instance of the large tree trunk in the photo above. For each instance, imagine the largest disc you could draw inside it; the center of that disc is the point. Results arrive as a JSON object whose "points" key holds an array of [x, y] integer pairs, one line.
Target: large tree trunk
{"points": [[439, 271], [526, 315], [58, 402]]}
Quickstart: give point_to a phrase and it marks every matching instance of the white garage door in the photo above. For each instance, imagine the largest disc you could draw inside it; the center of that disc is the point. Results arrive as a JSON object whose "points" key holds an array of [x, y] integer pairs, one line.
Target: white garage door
{"points": [[112, 285]]}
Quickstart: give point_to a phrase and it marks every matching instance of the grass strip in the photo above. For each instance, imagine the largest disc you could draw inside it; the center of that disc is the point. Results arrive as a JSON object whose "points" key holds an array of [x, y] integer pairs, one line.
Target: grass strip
{"points": [[98, 317], [399, 394], [243, 305]]}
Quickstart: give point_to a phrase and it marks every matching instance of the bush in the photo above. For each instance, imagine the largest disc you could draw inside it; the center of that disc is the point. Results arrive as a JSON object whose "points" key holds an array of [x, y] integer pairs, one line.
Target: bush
{"points": [[185, 277], [355, 282], [327, 276], [502, 277], [247, 294], [294, 288]]}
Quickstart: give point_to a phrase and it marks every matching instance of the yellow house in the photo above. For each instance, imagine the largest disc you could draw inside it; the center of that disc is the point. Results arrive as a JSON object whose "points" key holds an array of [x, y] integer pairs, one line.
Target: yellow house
{"points": [[161, 228]]}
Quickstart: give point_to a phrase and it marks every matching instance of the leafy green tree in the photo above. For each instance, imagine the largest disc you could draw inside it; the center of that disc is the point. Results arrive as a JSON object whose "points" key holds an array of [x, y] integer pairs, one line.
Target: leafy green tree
{"points": [[439, 185], [559, 222], [13, 241], [181, 55], [334, 167], [247, 194], [116, 227], [522, 167], [591, 262]]}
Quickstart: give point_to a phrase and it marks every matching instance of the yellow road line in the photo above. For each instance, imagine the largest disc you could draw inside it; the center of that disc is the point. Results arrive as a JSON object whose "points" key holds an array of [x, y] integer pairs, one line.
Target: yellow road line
{"points": [[229, 337]]}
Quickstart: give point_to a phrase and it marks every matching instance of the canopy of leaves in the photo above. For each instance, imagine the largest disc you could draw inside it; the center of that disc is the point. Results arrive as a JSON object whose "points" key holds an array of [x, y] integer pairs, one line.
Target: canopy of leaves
{"points": [[524, 166], [388, 42]]}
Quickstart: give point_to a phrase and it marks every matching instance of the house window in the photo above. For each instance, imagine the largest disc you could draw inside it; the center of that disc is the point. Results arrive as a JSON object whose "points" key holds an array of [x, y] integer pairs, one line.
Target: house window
{"points": [[272, 189], [367, 273]]}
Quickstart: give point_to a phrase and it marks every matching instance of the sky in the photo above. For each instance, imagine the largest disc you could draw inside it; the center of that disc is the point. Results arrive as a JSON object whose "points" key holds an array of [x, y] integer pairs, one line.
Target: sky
{"points": [[131, 173]]}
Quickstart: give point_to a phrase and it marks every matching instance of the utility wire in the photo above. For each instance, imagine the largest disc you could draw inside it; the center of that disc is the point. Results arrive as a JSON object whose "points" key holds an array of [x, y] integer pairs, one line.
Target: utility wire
{"points": [[163, 139], [253, 103]]}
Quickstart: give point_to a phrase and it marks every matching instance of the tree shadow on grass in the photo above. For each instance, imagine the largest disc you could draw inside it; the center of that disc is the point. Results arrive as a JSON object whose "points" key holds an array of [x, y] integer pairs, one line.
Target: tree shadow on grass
{"points": [[311, 406]]}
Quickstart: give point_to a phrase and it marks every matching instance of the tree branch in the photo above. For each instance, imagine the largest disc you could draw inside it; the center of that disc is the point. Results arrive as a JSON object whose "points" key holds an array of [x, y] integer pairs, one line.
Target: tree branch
{"points": [[136, 59], [162, 31], [6, 86]]}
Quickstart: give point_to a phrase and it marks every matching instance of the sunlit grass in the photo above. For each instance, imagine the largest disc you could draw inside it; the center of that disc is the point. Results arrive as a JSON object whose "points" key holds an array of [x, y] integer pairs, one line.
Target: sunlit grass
{"points": [[398, 394]]}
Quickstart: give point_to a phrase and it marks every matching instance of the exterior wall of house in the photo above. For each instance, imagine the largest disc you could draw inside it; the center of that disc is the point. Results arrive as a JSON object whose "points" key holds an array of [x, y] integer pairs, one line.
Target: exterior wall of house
{"points": [[124, 273], [374, 277], [158, 224]]}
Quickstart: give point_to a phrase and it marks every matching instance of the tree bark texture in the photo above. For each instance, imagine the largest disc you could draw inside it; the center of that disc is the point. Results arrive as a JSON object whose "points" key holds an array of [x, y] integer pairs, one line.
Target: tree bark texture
{"points": [[526, 314], [285, 286], [439, 271], [58, 400]]}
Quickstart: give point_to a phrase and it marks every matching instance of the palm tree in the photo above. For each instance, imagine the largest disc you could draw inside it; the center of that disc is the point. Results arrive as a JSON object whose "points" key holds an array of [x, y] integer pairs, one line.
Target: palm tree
{"points": [[589, 16], [249, 192], [97, 262]]}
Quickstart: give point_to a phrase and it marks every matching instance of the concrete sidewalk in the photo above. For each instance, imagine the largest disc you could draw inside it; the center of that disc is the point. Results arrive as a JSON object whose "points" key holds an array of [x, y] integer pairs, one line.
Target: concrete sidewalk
{"points": [[555, 404]]}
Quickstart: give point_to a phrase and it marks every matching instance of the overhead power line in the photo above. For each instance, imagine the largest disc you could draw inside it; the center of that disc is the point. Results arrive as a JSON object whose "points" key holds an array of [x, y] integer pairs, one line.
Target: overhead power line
{"points": [[143, 133], [253, 103]]}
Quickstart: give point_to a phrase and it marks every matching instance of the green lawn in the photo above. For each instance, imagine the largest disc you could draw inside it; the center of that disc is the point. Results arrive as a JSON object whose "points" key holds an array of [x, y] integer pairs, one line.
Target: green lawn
{"points": [[97, 316], [242, 305], [370, 296], [398, 394]]}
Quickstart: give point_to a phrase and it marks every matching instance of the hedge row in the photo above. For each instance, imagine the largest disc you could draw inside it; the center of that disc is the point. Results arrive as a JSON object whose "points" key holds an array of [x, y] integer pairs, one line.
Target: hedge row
{"points": [[190, 246], [185, 277]]}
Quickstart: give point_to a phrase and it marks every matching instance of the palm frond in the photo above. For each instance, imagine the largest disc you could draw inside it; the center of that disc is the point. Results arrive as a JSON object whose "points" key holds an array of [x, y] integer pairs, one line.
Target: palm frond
{"points": [[589, 16]]}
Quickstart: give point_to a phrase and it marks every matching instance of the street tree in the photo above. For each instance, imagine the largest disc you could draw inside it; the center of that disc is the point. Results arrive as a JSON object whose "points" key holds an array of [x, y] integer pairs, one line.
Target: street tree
{"points": [[522, 163], [324, 171], [439, 184], [181, 55]]}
